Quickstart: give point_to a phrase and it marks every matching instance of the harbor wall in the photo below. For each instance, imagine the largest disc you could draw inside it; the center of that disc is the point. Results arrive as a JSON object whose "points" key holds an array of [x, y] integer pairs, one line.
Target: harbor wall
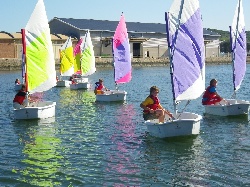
{"points": [[11, 64]]}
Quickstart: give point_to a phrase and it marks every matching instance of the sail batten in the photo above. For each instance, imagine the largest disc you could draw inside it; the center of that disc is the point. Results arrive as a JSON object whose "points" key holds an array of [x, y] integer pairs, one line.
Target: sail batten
{"points": [[121, 53], [185, 39], [238, 46]]}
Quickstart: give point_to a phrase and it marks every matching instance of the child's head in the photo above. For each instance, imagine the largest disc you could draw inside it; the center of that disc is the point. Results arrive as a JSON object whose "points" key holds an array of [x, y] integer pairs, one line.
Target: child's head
{"points": [[153, 90], [213, 82], [23, 87]]}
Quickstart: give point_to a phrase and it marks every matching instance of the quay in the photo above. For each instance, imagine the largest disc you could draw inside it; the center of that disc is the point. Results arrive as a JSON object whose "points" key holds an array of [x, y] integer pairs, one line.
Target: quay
{"points": [[12, 64]]}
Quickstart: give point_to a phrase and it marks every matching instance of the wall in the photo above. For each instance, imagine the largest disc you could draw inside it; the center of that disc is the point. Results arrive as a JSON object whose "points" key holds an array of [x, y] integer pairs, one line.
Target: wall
{"points": [[7, 48], [9, 64]]}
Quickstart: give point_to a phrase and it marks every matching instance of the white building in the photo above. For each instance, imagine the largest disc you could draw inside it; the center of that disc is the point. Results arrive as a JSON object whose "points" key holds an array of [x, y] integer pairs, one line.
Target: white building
{"points": [[146, 39]]}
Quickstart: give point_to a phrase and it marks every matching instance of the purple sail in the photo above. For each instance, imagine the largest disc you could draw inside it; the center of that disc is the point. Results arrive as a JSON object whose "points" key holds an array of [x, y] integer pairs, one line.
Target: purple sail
{"points": [[238, 45], [186, 49]]}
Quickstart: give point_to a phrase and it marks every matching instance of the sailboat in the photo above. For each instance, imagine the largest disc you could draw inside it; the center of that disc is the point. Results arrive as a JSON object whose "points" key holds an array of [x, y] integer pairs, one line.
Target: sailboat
{"points": [[233, 107], [40, 64], [67, 64], [85, 62], [187, 68], [122, 63]]}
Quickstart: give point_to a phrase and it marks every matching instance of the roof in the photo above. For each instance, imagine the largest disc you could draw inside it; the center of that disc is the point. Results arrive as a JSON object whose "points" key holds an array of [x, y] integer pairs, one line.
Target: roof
{"points": [[6, 35], [106, 25], [18, 35]]}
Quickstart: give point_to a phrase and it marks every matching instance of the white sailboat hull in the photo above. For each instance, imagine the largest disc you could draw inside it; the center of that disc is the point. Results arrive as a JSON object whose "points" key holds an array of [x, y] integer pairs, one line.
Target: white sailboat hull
{"points": [[82, 80], [37, 110], [232, 108], [63, 83], [78, 86], [18, 87], [112, 95], [186, 124]]}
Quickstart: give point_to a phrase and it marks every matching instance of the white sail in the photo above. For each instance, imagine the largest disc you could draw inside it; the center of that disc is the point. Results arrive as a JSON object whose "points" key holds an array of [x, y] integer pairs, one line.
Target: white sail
{"points": [[41, 73], [186, 45]]}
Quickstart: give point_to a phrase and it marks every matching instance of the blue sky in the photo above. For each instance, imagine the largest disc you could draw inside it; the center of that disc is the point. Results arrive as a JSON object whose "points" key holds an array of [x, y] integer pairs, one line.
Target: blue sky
{"points": [[217, 14]]}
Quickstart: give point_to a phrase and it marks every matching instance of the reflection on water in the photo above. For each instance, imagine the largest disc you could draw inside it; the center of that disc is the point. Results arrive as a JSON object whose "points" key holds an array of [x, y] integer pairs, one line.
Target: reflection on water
{"points": [[40, 155], [186, 164], [120, 158], [107, 144]]}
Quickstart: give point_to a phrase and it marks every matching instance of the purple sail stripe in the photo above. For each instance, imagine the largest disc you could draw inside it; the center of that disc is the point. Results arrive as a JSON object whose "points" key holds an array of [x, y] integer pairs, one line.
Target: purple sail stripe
{"points": [[23, 66], [240, 59], [188, 54]]}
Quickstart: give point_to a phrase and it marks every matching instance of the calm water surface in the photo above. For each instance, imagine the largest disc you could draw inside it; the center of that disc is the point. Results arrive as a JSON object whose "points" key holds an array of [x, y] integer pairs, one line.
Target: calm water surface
{"points": [[107, 144]]}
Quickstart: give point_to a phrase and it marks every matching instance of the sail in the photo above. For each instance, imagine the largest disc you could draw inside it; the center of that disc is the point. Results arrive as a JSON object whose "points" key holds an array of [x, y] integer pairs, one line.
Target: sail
{"points": [[77, 54], [87, 56], [186, 49], [67, 58], [238, 46], [121, 53], [40, 63]]}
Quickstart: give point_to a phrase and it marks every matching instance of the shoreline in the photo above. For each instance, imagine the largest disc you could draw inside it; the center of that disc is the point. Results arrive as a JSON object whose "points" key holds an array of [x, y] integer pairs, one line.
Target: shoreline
{"points": [[11, 64]]}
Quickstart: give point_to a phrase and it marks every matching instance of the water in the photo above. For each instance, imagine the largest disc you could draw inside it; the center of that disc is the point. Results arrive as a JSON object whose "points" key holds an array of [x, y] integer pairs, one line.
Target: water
{"points": [[106, 144]]}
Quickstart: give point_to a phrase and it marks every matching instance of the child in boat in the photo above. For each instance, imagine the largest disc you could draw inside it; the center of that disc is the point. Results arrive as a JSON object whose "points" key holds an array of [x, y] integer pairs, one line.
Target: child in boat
{"points": [[152, 108], [72, 80], [19, 100], [99, 88], [17, 82], [210, 96]]}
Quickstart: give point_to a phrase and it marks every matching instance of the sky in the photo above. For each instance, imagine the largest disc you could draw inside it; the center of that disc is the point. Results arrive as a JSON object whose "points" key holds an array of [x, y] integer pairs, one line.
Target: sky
{"points": [[216, 14]]}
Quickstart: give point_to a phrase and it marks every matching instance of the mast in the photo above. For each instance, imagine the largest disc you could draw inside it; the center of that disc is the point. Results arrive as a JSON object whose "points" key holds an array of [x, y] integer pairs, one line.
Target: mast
{"points": [[233, 44], [24, 59], [171, 48]]}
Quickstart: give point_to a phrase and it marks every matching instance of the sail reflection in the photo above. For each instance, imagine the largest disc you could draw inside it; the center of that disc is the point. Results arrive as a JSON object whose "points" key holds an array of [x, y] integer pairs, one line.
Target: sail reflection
{"points": [[122, 154], [41, 157]]}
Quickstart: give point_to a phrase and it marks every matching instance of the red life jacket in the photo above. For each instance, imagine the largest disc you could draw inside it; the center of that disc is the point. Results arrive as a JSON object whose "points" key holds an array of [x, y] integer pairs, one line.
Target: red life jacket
{"points": [[208, 96], [19, 98], [99, 87], [153, 106]]}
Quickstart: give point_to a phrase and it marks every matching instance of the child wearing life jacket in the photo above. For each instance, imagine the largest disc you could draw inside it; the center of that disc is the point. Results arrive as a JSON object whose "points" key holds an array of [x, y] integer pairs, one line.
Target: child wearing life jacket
{"points": [[210, 96], [17, 82], [72, 80], [19, 100], [99, 88], [152, 108]]}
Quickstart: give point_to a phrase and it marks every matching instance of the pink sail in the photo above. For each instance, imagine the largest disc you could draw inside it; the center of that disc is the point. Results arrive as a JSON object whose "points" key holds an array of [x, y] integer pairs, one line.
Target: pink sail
{"points": [[77, 54], [121, 53], [77, 48]]}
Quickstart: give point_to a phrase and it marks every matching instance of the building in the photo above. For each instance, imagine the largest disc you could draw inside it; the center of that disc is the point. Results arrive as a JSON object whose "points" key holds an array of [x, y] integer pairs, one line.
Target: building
{"points": [[146, 39], [11, 44]]}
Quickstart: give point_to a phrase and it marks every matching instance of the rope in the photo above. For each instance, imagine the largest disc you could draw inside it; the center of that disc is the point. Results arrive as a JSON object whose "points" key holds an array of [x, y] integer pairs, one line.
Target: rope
{"points": [[184, 108]]}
